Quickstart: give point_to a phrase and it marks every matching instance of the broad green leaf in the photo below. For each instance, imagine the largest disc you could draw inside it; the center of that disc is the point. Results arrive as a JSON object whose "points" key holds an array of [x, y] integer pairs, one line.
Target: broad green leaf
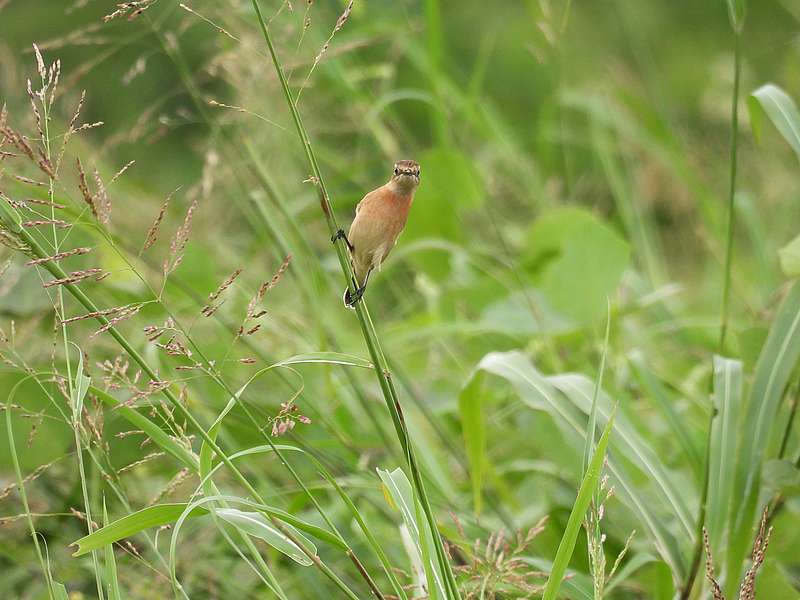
{"points": [[257, 525], [728, 406], [781, 110], [579, 260], [777, 360], [152, 516], [164, 441], [789, 257], [588, 486], [567, 399], [399, 489], [470, 404]]}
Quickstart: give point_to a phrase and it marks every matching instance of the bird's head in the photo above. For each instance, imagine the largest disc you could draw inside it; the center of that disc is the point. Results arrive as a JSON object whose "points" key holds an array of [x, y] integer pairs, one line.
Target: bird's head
{"points": [[406, 175]]}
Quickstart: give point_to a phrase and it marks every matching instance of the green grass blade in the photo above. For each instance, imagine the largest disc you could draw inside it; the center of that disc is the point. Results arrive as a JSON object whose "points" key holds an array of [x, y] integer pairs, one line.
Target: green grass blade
{"points": [[110, 564], [399, 489], [588, 446], [727, 402], [588, 486]]}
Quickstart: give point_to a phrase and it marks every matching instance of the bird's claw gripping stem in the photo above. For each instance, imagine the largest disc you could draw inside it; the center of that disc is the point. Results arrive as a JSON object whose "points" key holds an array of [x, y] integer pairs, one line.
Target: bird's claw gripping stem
{"points": [[353, 299], [341, 235]]}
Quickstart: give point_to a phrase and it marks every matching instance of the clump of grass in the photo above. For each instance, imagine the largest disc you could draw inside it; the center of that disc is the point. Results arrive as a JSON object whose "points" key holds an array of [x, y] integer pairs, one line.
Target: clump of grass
{"points": [[498, 567]]}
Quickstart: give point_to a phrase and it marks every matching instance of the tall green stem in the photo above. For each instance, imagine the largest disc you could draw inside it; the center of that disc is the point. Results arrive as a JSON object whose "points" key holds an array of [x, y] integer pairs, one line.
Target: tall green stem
{"points": [[367, 328], [726, 292], [726, 289]]}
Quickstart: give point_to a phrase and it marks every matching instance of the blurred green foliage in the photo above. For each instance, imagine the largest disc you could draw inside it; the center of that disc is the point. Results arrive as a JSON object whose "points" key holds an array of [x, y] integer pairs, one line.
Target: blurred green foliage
{"points": [[569, 161]]}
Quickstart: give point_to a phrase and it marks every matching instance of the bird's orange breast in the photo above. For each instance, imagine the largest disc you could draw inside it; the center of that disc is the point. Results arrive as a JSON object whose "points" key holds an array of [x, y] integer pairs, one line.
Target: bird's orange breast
{"points": [[381, 216]]}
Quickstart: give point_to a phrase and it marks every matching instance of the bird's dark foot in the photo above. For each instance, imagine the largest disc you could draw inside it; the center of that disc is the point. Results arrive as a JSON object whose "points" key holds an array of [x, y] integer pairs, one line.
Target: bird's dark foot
{"points": [[351, 299], [341, 235]]}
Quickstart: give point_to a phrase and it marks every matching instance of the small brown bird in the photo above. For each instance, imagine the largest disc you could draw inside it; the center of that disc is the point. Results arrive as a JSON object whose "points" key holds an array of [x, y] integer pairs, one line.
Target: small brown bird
{"points": [[380, 217]]}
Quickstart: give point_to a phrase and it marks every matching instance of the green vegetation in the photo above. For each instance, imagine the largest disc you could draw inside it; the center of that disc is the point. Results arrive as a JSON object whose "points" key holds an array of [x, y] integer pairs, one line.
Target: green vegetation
{"points": [[575, 377]]}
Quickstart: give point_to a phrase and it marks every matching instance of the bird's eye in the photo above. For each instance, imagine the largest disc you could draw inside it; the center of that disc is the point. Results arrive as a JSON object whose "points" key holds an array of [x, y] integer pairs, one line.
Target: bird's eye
{"points": [[396, 171]]}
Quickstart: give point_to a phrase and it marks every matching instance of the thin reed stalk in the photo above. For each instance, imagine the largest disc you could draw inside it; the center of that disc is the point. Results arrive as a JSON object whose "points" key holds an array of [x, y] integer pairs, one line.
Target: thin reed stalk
{"points": [[724, 310], [367, 328]]}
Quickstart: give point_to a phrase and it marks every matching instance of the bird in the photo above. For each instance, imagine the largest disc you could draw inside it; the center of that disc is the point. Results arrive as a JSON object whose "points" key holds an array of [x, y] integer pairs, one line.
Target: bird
{"points": [[380, 218]]}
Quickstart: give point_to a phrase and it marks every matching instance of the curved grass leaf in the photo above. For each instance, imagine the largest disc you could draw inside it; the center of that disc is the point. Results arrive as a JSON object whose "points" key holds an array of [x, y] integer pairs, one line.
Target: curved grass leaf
{"points": [[329, 358], [781, 110], [398, 488], [588, 486], [257, 525], [152, 516]]}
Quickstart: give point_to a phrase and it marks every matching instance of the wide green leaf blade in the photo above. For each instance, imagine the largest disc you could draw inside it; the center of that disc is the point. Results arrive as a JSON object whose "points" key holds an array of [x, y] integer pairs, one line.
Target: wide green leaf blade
{"points": [[152, 516]]}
